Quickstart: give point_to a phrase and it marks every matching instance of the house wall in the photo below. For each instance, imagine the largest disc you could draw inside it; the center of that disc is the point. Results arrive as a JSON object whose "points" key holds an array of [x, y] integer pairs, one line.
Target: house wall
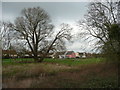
{"points": [[71, 56]]}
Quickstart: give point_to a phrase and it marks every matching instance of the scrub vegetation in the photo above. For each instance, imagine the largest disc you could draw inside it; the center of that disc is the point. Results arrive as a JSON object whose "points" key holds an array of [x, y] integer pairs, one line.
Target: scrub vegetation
{"points": [[60, 73]]}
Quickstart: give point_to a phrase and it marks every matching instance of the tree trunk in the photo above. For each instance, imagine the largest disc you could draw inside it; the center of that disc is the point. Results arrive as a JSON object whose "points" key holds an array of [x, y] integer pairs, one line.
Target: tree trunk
{"points": [[38, 60], [41, 59]]}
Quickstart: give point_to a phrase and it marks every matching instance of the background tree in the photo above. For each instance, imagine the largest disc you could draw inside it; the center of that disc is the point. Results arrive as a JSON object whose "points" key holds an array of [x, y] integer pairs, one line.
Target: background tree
{"points": [[35, 28], [7, 38], [5, 35], [99, 23], [112, 47]]}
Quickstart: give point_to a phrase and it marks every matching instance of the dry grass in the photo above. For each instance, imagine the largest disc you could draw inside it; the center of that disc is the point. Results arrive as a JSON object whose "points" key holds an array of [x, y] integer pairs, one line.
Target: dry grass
{"points": [[45, 75]]}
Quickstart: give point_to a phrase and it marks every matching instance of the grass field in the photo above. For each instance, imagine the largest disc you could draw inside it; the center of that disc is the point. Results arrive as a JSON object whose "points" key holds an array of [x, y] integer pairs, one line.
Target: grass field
{"points": [[60, 61], [60, 73]]}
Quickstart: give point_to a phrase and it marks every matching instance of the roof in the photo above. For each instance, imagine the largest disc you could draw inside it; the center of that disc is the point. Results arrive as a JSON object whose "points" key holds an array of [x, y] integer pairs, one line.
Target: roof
{"points": [[9, 52], [69, 52], [60, 53]]}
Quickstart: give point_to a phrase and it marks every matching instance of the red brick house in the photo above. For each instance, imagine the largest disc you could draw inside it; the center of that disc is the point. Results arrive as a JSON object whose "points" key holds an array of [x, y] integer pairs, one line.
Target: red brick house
{"points": [[70, 54]]}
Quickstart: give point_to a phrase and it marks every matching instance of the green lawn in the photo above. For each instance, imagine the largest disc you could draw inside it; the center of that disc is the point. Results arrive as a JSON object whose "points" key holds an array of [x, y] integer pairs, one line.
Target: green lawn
{"points": [[59, 61], [15, 61]]}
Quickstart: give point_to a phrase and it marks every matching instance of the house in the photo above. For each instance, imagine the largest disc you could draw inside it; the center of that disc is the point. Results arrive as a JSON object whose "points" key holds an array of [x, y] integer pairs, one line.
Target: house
{"points": [[89, 55], [9, 54], [77, 54], [49, 55], [69, 54], [58, 54], [64, 54], [82, 55]]}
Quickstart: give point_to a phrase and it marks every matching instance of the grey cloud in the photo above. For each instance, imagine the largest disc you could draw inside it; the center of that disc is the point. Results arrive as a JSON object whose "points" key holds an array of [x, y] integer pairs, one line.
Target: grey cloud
{"points": [[56, 10]]}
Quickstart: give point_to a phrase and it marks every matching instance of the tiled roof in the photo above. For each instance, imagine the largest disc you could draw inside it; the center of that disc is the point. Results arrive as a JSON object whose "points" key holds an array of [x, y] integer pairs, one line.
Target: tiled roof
{"points": [[69, 52]]}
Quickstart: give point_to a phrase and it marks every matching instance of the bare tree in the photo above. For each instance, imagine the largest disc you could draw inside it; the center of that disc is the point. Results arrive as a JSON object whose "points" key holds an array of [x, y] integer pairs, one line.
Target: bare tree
{"points": [[5, 35], [58, 43], [99, 20], [35, 27]]}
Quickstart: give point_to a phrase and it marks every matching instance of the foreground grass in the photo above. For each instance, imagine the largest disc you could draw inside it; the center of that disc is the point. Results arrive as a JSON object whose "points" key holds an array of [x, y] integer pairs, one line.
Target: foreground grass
{"points": [[68, 73]]}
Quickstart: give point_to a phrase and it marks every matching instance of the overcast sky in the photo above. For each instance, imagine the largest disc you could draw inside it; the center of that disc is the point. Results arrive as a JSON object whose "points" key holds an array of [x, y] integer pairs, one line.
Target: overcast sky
{"points": [[60, 12]]}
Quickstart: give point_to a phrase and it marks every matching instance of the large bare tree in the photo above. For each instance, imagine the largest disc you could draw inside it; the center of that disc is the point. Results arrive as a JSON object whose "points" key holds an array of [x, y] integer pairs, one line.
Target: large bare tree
{"points": [[98, 22], [35, 27]]}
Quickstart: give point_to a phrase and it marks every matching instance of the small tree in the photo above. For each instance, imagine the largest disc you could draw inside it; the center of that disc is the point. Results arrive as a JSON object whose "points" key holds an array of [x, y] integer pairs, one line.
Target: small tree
{"points": [[5, 37]]}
